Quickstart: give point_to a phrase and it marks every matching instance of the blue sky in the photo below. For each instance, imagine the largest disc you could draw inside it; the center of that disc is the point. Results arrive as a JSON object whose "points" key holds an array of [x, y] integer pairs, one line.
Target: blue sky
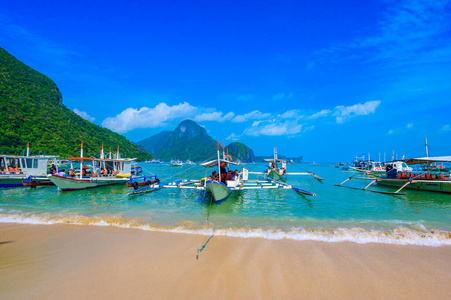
{"points": [[324, 79]]}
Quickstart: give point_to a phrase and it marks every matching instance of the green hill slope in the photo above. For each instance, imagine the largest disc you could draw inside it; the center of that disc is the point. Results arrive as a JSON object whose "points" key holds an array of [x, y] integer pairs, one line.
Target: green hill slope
{"points": [[241, 152], [31, 110]]}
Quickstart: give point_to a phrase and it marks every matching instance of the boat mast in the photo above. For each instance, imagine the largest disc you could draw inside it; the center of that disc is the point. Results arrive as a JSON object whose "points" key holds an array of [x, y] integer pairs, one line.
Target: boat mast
{"points": [[219, 166], [81, 162], [426, 144], [28, 149]]}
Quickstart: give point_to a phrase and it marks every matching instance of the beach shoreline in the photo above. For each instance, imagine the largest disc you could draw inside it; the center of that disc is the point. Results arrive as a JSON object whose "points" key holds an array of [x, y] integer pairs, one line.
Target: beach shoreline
{"points": [[75, 261]]}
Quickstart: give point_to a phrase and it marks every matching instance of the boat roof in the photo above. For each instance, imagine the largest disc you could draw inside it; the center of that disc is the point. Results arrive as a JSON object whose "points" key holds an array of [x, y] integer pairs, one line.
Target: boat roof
{"points": [[213, 163], [277, 160], [31, 156], [423, 160], [102, 159]]}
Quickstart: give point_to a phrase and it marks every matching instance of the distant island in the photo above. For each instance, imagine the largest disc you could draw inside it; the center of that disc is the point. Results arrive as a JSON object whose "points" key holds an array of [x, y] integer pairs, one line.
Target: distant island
{"points": [[32, 110]]}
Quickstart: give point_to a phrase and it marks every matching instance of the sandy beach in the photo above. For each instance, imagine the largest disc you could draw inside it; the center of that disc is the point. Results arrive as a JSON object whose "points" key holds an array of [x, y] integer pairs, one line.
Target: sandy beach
{"points": [[88, 262]]}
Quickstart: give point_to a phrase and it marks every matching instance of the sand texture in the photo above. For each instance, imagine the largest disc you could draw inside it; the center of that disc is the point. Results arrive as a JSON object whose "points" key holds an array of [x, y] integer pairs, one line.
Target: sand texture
{"points": [[88, 262]]}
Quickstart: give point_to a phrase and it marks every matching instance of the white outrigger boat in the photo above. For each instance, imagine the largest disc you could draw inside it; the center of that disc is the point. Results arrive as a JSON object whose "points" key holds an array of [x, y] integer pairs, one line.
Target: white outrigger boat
{"points": [[277, 169], [219, 190], [120, 172], [17, 169], [406, 177]]}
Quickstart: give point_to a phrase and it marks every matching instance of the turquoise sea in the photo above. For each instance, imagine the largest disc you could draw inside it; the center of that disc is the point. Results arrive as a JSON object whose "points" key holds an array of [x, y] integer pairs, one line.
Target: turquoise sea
{"points": [[336, 214]]}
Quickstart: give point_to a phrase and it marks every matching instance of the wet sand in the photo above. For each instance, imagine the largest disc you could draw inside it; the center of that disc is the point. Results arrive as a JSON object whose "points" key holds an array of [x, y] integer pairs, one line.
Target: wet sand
{"points": [[88, 262]]}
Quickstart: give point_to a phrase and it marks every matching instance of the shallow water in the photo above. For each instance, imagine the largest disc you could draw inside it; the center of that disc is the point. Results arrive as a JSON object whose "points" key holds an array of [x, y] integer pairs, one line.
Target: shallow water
{"points": [[335, 214]]}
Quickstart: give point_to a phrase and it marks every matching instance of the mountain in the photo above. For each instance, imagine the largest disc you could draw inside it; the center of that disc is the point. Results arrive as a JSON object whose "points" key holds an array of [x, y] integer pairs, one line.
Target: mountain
{"points": [[241, 152], [188, 140], [191, 141], [32, 110]]}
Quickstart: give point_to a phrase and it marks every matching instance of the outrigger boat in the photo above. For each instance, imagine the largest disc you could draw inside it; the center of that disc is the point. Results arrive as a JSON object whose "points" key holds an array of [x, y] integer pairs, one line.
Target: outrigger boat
{"points": [[136, 169], [24, 170], [278, 169], [434, 181], [89, 177], [220, 188]]}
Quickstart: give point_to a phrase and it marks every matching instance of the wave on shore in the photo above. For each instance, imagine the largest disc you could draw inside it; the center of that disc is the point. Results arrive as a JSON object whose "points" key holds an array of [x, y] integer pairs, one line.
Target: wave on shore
{"points": [[401, 235]]}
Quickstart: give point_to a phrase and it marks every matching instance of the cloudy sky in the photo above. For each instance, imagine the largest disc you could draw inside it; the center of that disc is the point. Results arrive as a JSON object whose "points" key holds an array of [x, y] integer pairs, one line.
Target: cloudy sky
{"points": [[324, 79]]}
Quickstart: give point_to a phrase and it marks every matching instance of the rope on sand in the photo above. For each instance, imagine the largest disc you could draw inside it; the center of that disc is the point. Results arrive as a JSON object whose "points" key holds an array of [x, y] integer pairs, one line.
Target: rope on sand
{"points": [[202, 248]]}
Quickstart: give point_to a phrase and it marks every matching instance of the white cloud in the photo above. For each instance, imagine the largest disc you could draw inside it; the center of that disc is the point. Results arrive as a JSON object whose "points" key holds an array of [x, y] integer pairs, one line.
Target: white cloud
{"points": [[253, 115], [274, 128], [410, 125], [321, 113], [214, 116], [147, 117], [446, 128], [343, 113], [233, 137], [291, 114], [84, 115], [409, 32]]}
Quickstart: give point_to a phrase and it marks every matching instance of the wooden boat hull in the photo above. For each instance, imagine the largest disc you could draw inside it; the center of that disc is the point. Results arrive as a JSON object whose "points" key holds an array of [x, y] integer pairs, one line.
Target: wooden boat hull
{"points": [[38, 183], [72, 184], [443, 186], [141, 183], [34, 181], [218, 190]]}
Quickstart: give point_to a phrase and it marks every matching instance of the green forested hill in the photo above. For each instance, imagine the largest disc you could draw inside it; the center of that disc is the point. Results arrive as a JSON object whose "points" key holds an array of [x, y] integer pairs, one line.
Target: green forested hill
{"points": [[189, 140], [31, 110], [241, 152]]}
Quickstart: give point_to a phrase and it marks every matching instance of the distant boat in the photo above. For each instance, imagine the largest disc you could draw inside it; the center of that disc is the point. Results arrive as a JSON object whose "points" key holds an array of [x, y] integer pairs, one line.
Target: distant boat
{"points": [[189, 162], [176, 163], [154, 161]]}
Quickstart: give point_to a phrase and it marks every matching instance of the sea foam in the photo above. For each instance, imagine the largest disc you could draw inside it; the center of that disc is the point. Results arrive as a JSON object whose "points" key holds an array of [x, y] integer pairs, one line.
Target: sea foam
{"points": [[401, 235]]}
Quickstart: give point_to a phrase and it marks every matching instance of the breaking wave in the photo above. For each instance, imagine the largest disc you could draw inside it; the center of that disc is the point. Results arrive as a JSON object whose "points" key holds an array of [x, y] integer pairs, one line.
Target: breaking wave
{"points": [[400, 235]]}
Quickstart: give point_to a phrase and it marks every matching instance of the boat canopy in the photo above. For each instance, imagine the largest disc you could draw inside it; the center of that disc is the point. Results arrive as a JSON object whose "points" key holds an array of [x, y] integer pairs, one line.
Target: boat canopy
{"points": [[424, 160], [276, 160], [213, 163], [101, 159]]}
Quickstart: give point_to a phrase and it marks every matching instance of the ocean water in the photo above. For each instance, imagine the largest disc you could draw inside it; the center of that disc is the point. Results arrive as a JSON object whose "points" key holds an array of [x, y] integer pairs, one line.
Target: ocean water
{"points": [[336, 214]]}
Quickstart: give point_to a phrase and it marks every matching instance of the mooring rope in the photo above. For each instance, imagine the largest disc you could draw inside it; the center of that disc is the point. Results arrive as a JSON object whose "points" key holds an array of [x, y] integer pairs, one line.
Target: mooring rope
{"points": [[203, 247]]}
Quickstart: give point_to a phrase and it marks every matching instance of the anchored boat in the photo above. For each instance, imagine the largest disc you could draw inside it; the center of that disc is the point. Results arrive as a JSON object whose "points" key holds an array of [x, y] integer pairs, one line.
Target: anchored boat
{"points": [[25, 170], [277, 169], [93, 172], [428, 179], [223, 183]]}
